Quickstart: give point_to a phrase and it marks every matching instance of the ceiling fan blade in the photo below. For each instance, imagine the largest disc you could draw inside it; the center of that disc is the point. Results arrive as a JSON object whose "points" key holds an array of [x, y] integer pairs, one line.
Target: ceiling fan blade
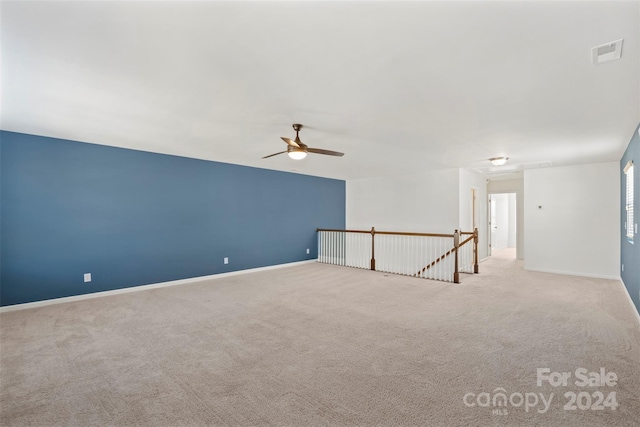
{"points": [[291, 142], [327, 152], [271, 155]]}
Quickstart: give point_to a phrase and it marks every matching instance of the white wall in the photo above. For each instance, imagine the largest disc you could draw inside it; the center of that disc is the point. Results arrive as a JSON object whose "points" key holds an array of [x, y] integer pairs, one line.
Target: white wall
{"points": [[576, 230], [429, 202], [513, 186], [425, 202], [469, 180], [512, 232]]}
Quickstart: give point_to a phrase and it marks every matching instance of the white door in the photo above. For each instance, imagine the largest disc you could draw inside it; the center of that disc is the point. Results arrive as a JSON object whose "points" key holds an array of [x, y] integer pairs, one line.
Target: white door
{"points": [[502, 221]]}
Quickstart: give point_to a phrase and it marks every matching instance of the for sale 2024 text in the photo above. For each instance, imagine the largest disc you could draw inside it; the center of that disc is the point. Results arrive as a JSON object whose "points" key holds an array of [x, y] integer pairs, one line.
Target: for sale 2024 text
{"points": [[583, 378]]}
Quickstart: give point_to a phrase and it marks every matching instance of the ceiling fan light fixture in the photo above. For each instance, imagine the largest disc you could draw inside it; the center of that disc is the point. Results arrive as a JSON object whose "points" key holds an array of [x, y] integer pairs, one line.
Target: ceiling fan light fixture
{"points": [[297, 154], [297, 150], [498, 161]]}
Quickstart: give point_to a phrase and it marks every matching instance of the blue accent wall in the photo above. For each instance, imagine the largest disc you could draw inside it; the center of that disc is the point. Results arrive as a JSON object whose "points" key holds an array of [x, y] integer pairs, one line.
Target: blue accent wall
{"points": [[132, 218], [630, 252]]}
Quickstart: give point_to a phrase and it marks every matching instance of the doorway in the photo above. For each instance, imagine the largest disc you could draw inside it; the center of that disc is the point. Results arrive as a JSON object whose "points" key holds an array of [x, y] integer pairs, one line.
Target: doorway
{"points": [[502, 225]]}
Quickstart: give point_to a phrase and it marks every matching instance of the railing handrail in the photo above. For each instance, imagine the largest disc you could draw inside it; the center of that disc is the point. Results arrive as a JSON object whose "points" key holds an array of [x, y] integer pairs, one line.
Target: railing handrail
{"points": [[398, 233], [437, 260], [344, 231], [467, 240]]}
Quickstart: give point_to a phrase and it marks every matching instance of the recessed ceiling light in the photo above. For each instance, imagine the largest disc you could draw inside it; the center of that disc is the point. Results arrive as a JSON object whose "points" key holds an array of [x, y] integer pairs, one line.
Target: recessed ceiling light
{"points": [[498, 161]]}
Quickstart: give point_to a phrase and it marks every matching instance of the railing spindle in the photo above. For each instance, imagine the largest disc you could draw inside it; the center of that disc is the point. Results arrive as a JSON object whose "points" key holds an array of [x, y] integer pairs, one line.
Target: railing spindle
{"points": [[333, 248]]}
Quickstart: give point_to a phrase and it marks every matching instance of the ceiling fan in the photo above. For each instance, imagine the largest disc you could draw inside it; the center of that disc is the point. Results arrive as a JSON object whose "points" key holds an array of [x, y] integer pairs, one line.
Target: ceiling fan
{"points": [[297, 150]]}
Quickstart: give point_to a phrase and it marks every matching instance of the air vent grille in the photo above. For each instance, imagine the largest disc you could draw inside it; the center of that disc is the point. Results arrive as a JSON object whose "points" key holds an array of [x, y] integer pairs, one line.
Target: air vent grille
{"points": [[607, 52]]}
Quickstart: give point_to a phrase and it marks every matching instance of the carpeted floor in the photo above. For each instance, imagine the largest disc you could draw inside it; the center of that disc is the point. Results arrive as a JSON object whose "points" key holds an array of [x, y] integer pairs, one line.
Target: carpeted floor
{"points": [[324, 345]]}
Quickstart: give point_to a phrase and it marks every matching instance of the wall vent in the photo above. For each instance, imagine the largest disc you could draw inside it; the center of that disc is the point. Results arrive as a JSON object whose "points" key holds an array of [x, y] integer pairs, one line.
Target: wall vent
{"points": [[536, 165], [606, 52]]}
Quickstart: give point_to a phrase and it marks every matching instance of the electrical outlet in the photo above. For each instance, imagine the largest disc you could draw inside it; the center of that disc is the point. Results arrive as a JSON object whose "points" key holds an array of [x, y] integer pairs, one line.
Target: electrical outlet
{"points": [[307, 250], [226, 260], [622, 267], [87, 277]]}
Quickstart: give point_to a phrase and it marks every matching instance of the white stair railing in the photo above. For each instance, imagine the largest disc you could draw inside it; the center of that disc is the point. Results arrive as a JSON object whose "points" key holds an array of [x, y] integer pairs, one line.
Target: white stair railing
{"points": [[344, 247], [425, 255], [467, 252]]}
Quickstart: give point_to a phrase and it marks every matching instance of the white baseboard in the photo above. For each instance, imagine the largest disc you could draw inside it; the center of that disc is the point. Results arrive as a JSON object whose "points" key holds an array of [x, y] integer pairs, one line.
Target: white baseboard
{"points": [[633, 306], [35, 304], [573, 273]]}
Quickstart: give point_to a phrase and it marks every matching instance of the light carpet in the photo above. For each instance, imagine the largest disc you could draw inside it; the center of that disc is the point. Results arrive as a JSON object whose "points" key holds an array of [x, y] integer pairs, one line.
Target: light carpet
{"points": [[325, 345]]}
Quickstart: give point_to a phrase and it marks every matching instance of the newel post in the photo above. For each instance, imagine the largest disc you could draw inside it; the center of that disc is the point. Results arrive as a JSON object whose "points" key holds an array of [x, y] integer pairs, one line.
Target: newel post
{"points": [[373, 250], [475, 250], [456, 245]]}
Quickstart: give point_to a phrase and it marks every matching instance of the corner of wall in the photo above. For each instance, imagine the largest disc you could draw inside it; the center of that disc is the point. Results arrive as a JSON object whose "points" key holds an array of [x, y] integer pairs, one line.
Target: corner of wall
{"points": [[630, 252], [1, 205]]}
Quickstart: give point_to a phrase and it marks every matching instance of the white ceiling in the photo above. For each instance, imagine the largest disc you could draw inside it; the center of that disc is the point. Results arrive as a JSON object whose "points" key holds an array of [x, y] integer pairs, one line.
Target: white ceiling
{"points": [[397, 86]]}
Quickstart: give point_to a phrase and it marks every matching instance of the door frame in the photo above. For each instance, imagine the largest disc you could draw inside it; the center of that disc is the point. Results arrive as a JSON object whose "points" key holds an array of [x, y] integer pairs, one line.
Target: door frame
{"points": [[489, 230]]}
